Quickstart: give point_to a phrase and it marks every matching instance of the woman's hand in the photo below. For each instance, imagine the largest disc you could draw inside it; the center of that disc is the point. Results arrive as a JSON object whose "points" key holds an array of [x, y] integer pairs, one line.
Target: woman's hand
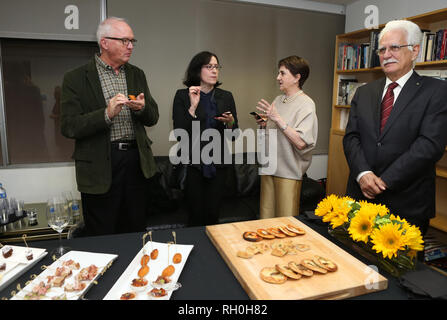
{"points": [[262, 123], [227, 118], [194, 98], [268, 110]]}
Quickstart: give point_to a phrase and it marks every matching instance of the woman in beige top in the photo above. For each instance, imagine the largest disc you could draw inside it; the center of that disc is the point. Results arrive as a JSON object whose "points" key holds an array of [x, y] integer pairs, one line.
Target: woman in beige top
{"points": [[292, 115]]}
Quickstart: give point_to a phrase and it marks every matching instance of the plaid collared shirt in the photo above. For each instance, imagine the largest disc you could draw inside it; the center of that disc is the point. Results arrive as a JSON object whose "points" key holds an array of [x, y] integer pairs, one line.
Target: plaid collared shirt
{"points": [[121, 126]]}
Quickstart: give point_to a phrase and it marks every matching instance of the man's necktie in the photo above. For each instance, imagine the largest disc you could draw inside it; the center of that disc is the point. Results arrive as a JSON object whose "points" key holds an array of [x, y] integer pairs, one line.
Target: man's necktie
{"points": [[387, 104]]}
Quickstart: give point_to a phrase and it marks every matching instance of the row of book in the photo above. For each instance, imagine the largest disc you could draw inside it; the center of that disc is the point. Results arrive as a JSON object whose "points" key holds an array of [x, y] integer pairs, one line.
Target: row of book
{"points": [[433, 46], [358, 56], [434, 248]]}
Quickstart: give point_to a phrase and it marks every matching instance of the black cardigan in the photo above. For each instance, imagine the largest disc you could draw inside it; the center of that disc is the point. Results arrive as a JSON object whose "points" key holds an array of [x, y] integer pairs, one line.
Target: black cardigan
{"points": [[183, 120]]}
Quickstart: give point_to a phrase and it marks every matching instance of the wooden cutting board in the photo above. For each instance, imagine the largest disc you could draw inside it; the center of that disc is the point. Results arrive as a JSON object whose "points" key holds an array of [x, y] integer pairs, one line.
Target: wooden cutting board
{"points": [[353, 278]]}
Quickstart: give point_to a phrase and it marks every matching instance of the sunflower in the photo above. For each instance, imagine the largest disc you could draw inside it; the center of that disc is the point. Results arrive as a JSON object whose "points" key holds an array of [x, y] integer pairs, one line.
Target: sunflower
{"points": [[348, 199], [334, 210], [361, 225], [388, 239], [413, 238], [404, 223], [326, 205], [382, 210], [340, 212]]}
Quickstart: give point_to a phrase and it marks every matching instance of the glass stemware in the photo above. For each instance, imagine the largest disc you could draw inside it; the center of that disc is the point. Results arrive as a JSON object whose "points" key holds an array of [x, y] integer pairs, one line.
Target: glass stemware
{"points": [[68, 198], [58, 217]]}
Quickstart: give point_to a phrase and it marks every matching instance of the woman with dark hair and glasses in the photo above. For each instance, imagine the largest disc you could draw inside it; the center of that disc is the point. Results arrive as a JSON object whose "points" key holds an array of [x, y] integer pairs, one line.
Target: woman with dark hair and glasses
{"points": [[199, 107], [292, 115]]}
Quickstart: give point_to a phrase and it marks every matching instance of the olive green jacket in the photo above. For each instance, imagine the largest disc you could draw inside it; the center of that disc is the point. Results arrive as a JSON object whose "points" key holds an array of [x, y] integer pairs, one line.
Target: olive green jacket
{"points": [[82, 118]]}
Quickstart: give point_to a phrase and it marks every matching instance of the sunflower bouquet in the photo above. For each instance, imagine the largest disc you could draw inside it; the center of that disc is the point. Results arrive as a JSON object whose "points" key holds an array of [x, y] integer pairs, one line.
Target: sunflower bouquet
{"points": [[391, 239]]}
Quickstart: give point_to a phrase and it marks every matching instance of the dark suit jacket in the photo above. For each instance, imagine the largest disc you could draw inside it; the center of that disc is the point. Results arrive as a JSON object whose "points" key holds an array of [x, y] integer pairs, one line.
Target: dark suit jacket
{"points": [[404, 155], [82, 118], [183, 120]]}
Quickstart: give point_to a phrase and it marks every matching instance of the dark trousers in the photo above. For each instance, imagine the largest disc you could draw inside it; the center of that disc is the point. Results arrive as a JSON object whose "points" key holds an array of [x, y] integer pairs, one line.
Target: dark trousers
{"points": [[123, 208], [204, 196]]}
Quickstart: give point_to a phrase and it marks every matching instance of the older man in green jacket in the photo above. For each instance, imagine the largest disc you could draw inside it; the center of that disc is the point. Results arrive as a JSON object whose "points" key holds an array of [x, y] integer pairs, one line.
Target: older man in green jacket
{"points": [[105, 106]]}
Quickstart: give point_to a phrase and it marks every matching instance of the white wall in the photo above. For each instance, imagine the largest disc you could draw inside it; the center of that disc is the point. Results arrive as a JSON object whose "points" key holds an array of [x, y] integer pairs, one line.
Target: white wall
{"points": [[388, 10], [318, 167], [37, 184], [301, 4]]}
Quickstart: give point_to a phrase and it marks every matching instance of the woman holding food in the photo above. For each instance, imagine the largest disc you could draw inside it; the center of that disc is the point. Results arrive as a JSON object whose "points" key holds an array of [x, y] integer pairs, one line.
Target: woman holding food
{"points": [[293, 118], [205, 106]]}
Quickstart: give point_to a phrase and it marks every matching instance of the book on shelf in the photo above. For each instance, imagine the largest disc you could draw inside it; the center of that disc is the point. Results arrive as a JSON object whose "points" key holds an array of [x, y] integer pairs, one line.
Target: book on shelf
{"points": [[344, 117], [374, 45], [343, 93], [352, 88], [359, 56], [434, 248], [438, 74], [433, 46], [353, 56], [423, 46], [346, 90], [430, 45]]}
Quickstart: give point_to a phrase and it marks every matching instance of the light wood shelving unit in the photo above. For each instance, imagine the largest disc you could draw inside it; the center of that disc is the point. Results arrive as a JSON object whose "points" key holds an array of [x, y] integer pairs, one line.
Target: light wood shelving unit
{"points": [[338, 170]]}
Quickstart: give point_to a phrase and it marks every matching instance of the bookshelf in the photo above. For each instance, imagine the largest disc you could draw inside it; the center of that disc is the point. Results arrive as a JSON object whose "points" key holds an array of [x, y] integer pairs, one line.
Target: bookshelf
{"points": [[338, 170]]}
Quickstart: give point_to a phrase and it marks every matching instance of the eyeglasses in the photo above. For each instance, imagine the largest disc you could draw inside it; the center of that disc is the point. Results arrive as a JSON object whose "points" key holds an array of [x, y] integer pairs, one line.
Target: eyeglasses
{"points": [[212, 66], [393, 48], [125, 41]]}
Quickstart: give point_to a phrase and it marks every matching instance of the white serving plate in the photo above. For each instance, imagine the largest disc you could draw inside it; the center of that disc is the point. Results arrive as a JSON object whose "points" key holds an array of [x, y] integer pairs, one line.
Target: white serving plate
{"points": [[17, 264], [85, 259], [18, 254], [123, 284]]}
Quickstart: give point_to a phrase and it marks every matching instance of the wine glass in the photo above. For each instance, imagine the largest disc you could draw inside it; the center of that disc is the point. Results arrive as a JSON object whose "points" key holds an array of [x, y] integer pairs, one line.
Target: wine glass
{"points": [[68, 198], [58, 217]]}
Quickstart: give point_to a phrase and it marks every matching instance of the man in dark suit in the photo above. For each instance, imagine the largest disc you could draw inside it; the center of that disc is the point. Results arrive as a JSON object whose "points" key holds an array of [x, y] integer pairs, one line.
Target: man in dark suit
{"points": [[397, 131], [105, 106]]}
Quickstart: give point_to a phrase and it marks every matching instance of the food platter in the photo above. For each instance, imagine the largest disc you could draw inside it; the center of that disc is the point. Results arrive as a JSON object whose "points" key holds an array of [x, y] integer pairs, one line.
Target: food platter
{"points": [[299, 264], [123, 288], [67, 278], [17, 263]]}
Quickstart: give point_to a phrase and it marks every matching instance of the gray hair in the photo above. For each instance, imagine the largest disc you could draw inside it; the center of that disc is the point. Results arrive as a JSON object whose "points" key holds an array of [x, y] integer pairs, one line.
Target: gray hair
{"points": [[412, 30], [105, 27]]}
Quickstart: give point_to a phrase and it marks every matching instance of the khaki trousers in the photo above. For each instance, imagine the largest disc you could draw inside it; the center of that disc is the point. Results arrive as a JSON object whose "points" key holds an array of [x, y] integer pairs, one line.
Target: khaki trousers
{"points": [[280, 197]]}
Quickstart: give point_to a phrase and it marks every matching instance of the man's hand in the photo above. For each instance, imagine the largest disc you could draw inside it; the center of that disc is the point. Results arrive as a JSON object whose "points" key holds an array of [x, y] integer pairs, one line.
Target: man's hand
{"points": [[115, 105], [137, 104], [371, 185]]}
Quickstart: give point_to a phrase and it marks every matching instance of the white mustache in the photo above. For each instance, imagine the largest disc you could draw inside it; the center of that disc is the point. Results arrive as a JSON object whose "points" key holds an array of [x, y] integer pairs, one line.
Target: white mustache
{"points": [[389, 61]]}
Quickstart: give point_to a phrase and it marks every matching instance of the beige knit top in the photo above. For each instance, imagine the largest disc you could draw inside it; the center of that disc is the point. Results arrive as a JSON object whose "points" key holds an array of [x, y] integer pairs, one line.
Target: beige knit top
{"points": [[299, 114]]}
